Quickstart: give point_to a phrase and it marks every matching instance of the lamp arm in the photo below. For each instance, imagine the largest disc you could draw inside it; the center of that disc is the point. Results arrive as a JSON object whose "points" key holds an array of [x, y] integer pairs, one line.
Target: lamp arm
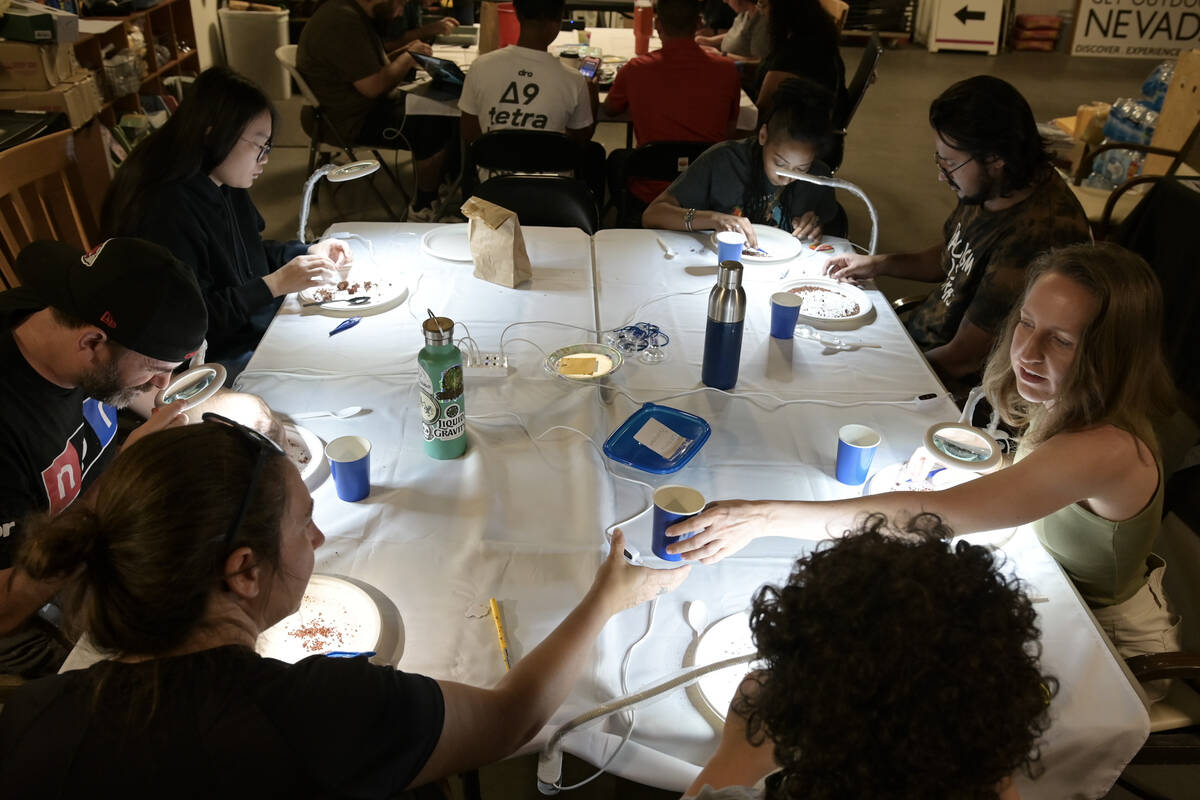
{"points": [[549, 769], [838, 183], [307, 200]]}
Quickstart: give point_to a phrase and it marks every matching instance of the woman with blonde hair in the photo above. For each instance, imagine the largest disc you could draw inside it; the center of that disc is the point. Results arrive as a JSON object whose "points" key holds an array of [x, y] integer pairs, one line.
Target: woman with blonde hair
{"points": [[1080, 367]]}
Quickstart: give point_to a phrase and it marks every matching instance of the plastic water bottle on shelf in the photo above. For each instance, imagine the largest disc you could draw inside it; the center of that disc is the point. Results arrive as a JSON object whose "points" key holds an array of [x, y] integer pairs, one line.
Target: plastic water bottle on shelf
{"points": [[643, 26], [440, 380], [723, 332]]}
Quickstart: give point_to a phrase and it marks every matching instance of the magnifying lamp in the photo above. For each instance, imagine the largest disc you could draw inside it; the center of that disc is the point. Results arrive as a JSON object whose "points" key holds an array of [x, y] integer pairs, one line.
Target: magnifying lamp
{"points": [[838, 183], [334, 173], [954, 452], [193, 387]]}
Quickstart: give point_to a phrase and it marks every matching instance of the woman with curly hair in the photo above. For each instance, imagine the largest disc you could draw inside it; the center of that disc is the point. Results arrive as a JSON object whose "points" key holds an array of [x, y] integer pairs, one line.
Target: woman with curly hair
{"points": [[897, 666], [1079, 366]]}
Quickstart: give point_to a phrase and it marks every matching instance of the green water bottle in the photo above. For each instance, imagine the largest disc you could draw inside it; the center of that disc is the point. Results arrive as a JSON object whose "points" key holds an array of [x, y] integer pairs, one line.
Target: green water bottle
{"points": [[440, 379]]}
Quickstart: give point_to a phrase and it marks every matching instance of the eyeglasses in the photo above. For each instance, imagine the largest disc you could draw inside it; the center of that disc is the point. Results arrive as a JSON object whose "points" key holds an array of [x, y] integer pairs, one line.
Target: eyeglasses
{"points": [[264, 448], [264, 149], [948, 172]]}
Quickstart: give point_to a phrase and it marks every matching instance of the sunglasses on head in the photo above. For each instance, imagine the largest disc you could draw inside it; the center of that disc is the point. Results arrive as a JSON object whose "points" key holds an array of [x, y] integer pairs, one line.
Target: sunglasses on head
{"points": [[263, 448]]}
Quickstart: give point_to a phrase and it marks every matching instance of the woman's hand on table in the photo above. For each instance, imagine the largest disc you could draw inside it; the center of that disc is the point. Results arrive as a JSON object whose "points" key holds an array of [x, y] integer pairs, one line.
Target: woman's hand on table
{"points": [[726, 222], [807, 226], [721, 529], [336, 250], [853, 268], [302, 272], [620, 585]]}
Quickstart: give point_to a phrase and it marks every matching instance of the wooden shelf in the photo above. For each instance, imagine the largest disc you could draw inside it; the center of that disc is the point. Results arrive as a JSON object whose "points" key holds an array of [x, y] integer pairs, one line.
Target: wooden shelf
{"points": [[168, 24]]}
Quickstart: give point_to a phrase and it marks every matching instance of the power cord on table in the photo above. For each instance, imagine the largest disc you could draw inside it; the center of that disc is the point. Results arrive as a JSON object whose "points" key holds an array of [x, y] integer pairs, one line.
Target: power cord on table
{"points": [[653, 604]]}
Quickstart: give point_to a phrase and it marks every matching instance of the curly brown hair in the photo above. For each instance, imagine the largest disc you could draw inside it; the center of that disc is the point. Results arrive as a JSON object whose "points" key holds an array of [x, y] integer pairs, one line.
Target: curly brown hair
{"points": [[897, 665]]}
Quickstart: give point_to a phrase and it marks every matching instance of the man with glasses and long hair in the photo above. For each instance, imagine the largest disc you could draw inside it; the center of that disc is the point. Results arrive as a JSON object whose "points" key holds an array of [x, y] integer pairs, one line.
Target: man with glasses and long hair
{"points": [[1011, 206]]}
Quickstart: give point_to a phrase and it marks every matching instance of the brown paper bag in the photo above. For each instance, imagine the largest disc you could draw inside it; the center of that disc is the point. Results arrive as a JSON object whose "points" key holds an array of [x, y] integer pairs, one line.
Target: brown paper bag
{"points": [[497, 246]]}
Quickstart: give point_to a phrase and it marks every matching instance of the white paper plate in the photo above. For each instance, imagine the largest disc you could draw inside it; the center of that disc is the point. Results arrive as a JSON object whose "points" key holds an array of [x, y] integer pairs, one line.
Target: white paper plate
{"points": [[448, 242], [307, 452], [384, 294], [778, 244], [726, 638], [335, 615], [846, 293]]}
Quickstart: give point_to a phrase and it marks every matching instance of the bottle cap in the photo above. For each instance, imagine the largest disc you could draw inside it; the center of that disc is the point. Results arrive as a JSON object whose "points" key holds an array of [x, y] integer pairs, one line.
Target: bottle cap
{"points": [[729, 274], [438, 330]]}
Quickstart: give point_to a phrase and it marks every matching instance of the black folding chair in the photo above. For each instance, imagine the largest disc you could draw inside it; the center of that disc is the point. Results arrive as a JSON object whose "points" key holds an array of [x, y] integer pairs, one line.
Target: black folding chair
{"points": [[656, 161], [864, 76], [509, 151], [546, 200]]}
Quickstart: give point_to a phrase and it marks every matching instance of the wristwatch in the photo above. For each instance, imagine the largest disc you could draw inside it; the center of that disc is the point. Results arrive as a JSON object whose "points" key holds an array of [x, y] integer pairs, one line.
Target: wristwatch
{"points": [[688, 215]]}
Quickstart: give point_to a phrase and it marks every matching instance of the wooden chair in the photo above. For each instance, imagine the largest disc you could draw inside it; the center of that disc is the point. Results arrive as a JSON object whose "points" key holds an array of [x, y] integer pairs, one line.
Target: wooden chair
{"points": [[42, 197], [1176, 133]]}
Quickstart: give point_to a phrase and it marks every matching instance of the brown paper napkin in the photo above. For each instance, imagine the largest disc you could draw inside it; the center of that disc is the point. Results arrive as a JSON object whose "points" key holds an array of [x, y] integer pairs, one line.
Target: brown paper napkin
{"points": [[497, 246]]}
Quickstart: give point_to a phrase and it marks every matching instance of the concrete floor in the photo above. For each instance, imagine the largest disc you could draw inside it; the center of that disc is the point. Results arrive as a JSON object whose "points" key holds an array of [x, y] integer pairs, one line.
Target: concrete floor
{"points": [[888, 153]]}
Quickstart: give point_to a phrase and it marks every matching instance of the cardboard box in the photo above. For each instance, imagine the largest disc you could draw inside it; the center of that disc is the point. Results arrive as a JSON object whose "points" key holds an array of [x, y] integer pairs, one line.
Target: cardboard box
{"points": [[79, 100], [36, 67], [34, 22]]}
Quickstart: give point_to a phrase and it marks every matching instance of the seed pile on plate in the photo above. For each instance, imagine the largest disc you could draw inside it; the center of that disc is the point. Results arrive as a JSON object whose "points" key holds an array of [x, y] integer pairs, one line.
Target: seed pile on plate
{"points": [[318, 636], [346, 289], [825, 303]]}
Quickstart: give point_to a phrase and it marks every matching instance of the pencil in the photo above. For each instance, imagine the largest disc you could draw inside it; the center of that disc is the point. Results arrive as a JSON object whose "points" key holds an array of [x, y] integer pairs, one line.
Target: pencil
{"points": [[495, 607]]}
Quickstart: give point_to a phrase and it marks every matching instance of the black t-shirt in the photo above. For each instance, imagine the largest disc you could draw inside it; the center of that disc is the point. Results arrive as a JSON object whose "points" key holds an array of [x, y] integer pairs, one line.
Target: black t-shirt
{"points": [[729, 178], [227, 723], [53, 441]]}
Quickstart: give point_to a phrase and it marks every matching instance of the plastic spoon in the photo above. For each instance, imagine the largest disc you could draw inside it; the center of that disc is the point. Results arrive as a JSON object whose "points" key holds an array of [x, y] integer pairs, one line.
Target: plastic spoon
{"points": [[341, 413], [696, 614]]}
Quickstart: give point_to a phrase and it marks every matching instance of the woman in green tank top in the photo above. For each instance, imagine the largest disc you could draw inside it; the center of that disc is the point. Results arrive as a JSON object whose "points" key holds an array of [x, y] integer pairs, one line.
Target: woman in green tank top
{"points": [[1079, 366]]}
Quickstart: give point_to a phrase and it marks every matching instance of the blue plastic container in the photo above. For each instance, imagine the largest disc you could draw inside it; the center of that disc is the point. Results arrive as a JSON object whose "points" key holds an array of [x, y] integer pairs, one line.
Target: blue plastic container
{"points": [[623, 448]]}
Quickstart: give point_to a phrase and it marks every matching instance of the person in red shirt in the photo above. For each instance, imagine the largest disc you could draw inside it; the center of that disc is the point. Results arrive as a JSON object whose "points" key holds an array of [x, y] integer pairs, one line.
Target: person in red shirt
{"points": [[678, 93]]}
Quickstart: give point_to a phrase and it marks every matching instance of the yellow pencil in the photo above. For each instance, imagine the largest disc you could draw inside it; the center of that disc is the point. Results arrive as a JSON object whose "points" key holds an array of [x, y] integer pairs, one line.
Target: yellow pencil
{"points": [[500, 633]]}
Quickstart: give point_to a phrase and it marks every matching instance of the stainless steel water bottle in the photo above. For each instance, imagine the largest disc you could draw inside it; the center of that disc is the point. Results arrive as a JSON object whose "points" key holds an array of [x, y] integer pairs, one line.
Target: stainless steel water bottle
{"points": [[723, 334]]}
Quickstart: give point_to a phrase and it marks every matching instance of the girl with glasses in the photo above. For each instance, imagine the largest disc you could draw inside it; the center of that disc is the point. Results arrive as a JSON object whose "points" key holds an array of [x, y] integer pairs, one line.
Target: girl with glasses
{"points": [[185, 187], [181, 563]]}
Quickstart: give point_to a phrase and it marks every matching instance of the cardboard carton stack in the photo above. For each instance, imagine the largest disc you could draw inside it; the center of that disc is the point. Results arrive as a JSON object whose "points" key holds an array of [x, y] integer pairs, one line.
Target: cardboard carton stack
{"points": [[38, 70]]}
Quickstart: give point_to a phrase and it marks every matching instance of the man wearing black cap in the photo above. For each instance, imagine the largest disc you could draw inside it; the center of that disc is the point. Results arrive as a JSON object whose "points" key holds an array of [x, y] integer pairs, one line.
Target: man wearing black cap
{"points": [[86, 334]]}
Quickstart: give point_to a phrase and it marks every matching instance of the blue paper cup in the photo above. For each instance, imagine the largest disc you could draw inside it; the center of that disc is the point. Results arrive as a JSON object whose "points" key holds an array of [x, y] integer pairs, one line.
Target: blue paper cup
{"points": [[856, 449], [785, 313], [672, 503], [729, 246], [350, 460]]}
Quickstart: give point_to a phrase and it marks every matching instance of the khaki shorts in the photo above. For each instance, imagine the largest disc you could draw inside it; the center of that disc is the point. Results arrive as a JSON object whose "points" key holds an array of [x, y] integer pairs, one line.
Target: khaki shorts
{"points": [[1144, 624]]}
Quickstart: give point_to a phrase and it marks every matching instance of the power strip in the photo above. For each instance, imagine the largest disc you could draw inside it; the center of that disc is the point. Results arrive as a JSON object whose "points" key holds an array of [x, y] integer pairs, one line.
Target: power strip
{"points": [[486, 365]]}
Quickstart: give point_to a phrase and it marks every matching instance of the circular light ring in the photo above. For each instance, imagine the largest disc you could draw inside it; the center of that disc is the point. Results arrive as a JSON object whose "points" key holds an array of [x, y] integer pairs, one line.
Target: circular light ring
{"points": [[194, 386], [975, 464]]}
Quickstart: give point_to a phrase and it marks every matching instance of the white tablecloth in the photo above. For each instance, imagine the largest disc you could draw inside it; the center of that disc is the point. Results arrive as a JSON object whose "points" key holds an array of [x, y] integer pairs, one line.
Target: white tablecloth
{"points": [[520, 516]]}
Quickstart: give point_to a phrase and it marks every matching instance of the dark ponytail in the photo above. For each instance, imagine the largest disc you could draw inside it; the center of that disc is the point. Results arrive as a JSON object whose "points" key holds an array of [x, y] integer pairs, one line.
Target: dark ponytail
{"points": [[146, 548]]}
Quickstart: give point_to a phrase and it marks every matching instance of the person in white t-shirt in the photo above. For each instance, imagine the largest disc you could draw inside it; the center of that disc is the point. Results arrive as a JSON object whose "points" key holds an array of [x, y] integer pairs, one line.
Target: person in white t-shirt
{"points": [[525, 87]]}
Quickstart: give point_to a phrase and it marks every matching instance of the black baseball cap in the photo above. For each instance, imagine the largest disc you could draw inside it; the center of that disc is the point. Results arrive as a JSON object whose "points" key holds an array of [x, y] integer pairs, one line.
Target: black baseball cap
{"points": [[137, 292]]}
